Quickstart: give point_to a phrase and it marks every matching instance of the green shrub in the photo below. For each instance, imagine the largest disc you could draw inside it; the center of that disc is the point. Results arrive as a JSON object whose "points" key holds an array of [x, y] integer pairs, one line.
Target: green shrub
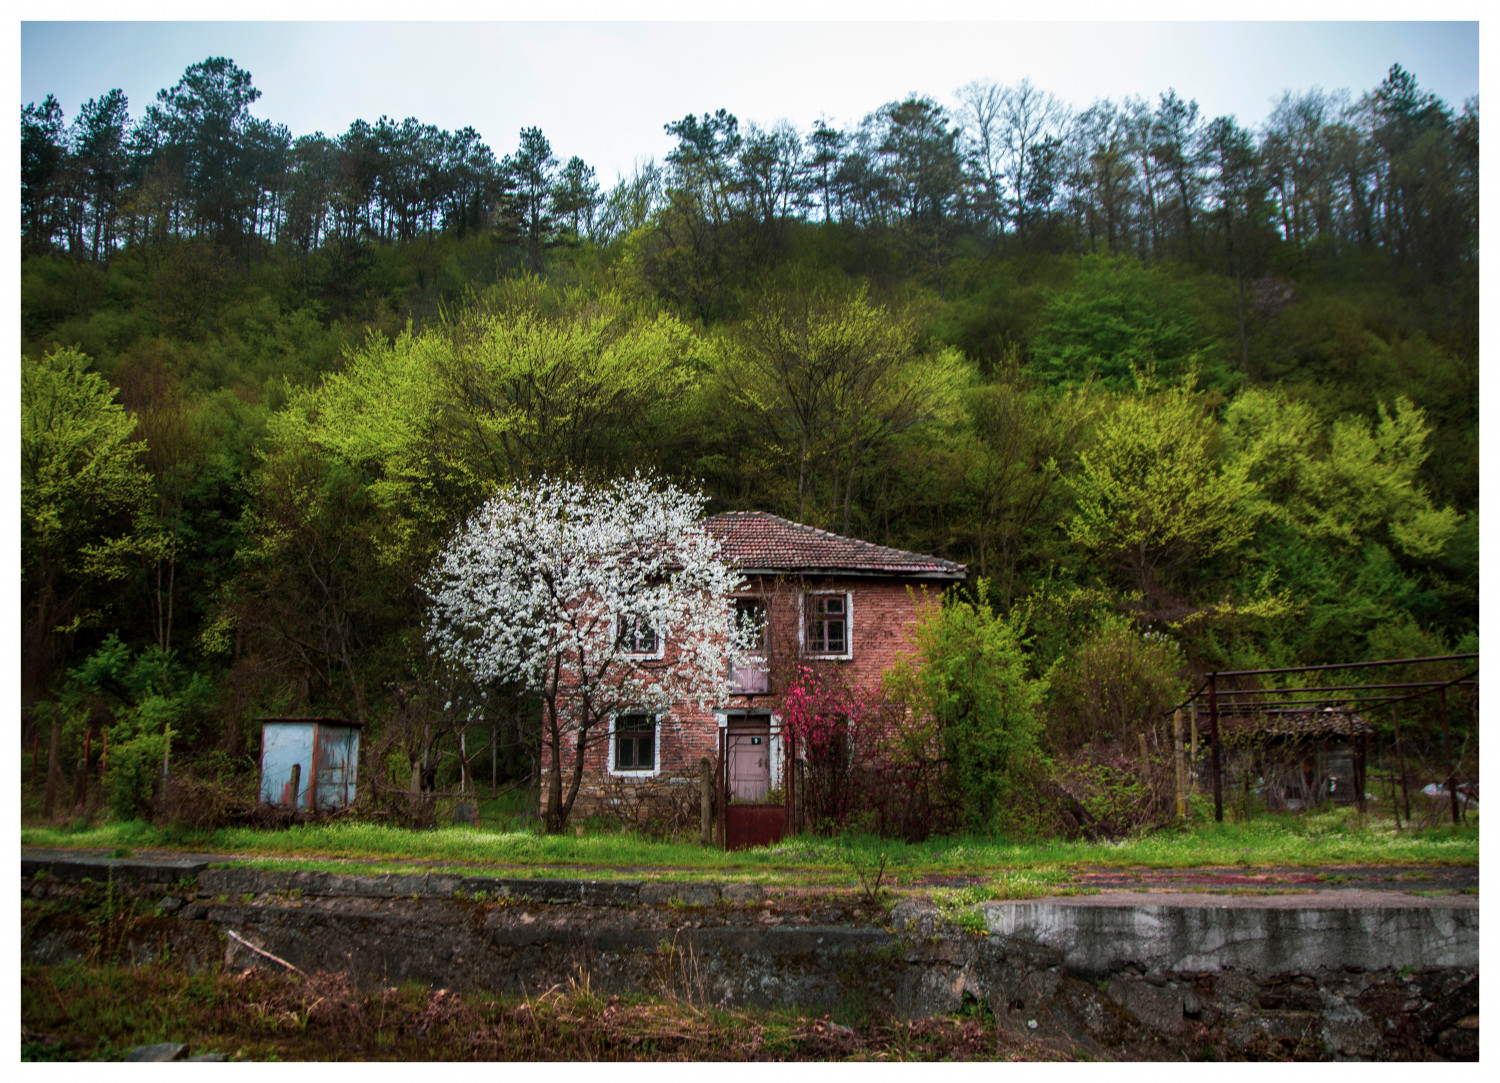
{"points": [[975, 704], [134, 774], [1114, 684]]}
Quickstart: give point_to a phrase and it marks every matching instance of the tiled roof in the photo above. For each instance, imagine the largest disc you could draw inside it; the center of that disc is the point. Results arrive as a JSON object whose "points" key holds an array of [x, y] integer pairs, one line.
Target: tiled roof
{"points": [[757, 541], [1310, 724]]}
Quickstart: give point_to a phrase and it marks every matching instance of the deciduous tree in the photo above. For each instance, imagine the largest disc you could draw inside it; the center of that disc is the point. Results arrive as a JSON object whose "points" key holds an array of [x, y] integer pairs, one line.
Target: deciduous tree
{"points": [[531, 591]]}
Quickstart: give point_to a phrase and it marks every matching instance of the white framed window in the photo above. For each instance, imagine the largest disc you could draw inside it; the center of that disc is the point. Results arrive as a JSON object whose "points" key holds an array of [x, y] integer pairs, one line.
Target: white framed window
{"points": [[638, 636], [826, 629], [635, 744]]}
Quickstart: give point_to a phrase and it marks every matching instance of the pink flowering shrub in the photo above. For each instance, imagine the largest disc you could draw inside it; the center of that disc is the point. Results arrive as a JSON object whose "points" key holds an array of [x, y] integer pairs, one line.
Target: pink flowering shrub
{"points": [[834, 725]]}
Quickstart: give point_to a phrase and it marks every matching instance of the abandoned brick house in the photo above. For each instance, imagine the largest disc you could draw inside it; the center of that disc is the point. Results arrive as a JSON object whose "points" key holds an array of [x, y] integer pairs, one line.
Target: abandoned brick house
{"points": [[818, 598]]}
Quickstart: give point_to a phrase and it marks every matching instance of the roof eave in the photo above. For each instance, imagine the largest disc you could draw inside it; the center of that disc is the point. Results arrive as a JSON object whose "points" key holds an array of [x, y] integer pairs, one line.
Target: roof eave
{"points": [[862, 573]]}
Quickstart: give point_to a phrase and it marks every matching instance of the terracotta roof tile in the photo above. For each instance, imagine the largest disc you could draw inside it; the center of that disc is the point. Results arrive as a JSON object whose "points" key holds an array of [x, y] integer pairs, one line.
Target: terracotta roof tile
{"points": [[758, 541]]}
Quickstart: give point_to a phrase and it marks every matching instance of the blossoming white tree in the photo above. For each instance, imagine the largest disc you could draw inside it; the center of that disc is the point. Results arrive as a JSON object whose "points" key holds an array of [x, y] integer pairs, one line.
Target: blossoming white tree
{"points": [[553, 586]]}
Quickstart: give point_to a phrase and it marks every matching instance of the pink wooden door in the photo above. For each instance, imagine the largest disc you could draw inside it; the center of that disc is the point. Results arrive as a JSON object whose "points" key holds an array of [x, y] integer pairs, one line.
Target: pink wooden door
{"points": [[750, 763]]}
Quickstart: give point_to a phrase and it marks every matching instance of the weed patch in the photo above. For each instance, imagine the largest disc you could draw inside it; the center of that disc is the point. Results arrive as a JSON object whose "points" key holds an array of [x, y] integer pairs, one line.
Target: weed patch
{"points": [[82, 1012]]}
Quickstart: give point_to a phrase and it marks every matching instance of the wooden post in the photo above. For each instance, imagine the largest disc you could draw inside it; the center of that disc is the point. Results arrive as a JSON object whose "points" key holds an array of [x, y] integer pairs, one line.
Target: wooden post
{"points": [[789, 772], [1213, 739], [1359, 775], [723, 787], [1181, 768], [1395, 804], [1448, 752], [1145, 767], [706, 799], [1193, 759], [1401, 763]]}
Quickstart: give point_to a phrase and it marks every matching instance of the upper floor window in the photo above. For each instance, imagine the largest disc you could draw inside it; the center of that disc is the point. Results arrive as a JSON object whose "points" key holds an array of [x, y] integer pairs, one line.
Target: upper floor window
{"points": [[826, 625], [637, 635], [750, 618], [749, 675]]}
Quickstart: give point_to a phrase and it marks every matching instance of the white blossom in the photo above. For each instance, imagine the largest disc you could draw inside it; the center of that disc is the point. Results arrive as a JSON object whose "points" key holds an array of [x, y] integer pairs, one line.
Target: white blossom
{"points": [[529, 592]]}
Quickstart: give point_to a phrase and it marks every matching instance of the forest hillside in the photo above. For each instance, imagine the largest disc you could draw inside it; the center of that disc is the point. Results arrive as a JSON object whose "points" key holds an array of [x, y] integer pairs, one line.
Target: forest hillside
{"points": [[1183, 395]]}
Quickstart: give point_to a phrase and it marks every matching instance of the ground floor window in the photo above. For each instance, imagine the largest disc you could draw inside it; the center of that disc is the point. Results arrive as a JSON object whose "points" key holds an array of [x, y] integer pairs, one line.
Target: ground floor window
{"points": [[633, 744]]}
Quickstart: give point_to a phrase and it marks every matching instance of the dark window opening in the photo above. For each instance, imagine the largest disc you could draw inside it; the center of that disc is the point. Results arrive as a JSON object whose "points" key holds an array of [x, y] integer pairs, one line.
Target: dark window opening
{"points": [[635, 743], [637, 635], [827, 624], [750, 616]]}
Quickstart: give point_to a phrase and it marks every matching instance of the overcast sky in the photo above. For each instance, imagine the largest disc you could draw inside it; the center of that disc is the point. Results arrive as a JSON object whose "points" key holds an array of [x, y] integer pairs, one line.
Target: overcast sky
{"points": [[603, 90]]}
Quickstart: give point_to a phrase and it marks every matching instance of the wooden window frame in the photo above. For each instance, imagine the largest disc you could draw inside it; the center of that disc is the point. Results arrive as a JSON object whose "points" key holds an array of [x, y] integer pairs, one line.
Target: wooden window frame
{"points": [[806, 616]]}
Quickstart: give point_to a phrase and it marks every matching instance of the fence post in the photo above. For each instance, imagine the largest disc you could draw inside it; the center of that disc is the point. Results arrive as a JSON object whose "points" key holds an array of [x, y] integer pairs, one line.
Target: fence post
{"points": [[1193, 759], [723, 787], [1401, 763], [1213, 739], [706, 799], [1181, 772], [1448, 752]]}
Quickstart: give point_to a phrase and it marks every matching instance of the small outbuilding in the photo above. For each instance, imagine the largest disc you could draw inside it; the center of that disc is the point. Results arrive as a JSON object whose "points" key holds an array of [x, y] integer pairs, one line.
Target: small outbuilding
{"points": [[1298, 759], [308, 764]]}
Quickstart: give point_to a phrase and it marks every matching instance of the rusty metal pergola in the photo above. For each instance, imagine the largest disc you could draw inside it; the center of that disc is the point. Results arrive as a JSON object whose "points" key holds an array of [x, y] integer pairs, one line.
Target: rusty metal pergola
{"points": [[1349, 697]]}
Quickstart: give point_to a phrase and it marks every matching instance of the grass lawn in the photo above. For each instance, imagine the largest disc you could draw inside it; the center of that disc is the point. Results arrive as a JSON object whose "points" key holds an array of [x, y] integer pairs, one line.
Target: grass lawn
{"points": [[1337, 836]]}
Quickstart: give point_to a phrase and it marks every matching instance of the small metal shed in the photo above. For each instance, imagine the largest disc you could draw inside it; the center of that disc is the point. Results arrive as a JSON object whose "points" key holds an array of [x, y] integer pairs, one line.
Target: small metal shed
{"points": [[308, 763]]}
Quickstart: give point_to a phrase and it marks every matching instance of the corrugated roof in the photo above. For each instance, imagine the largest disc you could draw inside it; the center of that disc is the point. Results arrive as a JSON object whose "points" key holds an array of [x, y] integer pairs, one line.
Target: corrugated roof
{"points": [[759, 541]]}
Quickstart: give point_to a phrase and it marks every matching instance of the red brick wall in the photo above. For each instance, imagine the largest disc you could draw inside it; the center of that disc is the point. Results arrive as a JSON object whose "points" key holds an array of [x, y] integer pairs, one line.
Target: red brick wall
{"points": [[882, 611]]}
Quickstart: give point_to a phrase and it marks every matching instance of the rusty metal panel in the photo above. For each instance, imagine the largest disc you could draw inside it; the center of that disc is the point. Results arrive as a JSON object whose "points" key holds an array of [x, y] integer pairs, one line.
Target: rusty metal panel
{"points": [[336, 762], [754, 825]]}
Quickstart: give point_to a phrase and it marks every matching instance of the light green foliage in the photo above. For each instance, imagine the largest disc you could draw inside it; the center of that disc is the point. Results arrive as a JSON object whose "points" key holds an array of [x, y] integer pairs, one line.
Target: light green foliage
{"points": [[526, 381], [79, 468], [135, 770], [1370, 479], [1152, 495], [1345, 519], [974, 702], [1345, 483], [83, 505]]}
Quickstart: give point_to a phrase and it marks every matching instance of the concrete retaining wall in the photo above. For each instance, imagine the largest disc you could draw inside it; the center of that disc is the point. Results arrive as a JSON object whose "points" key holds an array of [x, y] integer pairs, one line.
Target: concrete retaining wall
{"points": [[1107, 976]]}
